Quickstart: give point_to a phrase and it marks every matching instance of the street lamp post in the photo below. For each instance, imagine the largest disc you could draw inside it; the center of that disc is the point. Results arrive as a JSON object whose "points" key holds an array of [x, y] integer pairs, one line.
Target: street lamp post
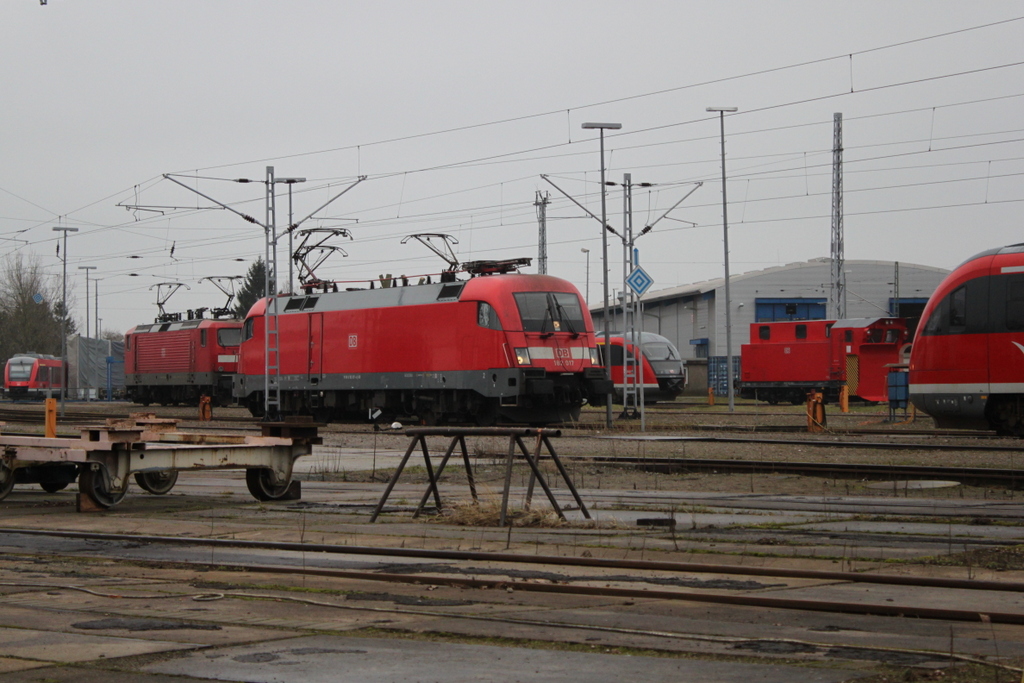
{"points": [[87, 269], [604, 260], [291, 225], [725, 234], [587, 252], [63, 319]]}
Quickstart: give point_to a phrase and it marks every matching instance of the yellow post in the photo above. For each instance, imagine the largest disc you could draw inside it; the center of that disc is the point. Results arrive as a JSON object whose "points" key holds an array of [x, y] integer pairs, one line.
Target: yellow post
{"points": [[844, 399], [815, 411], [51, 418], [711, 396]]}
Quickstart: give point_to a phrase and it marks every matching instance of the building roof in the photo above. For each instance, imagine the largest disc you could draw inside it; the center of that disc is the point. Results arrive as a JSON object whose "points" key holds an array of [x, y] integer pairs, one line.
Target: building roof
{"points": [[696, 288]]}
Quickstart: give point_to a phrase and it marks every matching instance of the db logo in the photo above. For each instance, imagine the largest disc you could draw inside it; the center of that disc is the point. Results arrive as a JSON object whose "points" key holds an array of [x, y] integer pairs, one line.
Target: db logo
{"points": [[563, 353], [353, 341]]}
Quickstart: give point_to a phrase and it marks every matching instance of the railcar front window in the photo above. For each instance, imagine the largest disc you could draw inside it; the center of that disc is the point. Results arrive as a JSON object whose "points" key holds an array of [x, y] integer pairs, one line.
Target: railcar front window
{"points": [[550, 312], [660, 351], [20, 371]]}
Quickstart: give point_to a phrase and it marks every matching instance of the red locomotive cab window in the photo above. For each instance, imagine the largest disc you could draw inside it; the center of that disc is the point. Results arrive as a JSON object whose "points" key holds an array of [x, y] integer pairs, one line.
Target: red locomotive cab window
{"points": [[892, 336], [230, 336], [764, 332], [202, 338], [128, 342], [848, 336], [801, 331], [487, 317], [248, 329], [875, 336]]}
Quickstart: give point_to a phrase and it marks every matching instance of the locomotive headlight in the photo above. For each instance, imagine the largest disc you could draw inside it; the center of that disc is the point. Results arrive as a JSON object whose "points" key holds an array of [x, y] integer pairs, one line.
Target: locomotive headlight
{"points": [[523, 356]]}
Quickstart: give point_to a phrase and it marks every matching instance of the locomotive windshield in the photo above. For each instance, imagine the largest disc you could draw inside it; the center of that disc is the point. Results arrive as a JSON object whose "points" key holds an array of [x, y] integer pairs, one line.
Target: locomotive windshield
{"points": [[231, 336], [550, 312]]}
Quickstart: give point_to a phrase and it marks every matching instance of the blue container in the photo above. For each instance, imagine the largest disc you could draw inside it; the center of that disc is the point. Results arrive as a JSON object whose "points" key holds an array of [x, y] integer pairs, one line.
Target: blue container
{"points": [[718, 378], [899, 388]]}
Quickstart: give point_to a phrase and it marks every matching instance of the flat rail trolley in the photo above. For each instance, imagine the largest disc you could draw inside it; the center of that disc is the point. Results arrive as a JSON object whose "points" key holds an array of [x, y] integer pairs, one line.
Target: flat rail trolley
{"points": [[154, 451]]}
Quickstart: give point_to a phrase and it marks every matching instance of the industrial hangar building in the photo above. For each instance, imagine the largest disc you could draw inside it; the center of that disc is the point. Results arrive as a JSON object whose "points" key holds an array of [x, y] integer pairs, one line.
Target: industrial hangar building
{"points": [[693, 317]]}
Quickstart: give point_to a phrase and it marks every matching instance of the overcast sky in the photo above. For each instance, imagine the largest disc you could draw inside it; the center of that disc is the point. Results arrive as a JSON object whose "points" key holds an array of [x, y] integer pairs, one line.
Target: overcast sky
{"points": [[453, 110]]}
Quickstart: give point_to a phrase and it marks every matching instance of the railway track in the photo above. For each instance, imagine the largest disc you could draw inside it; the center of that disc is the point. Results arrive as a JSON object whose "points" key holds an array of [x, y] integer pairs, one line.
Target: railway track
{"points": [[977, 476], [656, 580]]}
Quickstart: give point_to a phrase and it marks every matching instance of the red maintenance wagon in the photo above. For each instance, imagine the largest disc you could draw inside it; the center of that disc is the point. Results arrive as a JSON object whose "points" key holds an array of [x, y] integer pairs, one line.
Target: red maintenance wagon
{"points": [[785, 360]]}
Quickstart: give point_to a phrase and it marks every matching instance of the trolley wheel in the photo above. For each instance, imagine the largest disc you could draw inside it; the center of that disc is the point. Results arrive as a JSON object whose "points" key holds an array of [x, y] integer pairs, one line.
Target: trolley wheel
{"points": [[158, 483], [53, 486], [93, 484], [261, 484], [6, 479]]}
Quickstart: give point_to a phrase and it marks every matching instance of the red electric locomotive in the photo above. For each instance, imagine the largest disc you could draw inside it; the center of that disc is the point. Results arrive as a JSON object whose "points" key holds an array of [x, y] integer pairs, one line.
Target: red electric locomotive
{"points": [[499, 346], [33, 376], [180, 361], [785, 360], [664, 376], [967, 364]]}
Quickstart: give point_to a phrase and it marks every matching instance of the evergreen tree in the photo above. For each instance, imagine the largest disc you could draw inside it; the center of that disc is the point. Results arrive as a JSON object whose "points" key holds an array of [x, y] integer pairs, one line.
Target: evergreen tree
{"points": [[252, 289]]}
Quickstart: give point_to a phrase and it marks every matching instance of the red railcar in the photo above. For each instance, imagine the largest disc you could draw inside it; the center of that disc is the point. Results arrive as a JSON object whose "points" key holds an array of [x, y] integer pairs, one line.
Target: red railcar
{"points": [[663, 375], [178, 362], [33, 376], [501, 347], [967, 365], [785, 360]]}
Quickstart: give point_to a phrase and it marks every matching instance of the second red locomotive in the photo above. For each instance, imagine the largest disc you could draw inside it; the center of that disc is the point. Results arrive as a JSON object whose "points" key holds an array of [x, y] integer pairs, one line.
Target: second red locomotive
{"points": [[497, 347], [785, 360], [180, 361]]}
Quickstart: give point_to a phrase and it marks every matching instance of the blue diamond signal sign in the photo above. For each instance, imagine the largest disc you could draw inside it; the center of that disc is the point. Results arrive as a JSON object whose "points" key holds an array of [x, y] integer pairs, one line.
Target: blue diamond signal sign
{"points": [[639, 281]]}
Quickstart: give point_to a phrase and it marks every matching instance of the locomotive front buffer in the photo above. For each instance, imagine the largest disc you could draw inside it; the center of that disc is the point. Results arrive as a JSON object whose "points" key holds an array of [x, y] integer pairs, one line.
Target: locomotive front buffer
{"points": [[154, 451]]}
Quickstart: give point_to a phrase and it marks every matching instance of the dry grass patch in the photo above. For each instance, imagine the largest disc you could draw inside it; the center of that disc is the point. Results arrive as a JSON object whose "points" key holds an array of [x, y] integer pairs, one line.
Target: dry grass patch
{"points": [[488, 513]]}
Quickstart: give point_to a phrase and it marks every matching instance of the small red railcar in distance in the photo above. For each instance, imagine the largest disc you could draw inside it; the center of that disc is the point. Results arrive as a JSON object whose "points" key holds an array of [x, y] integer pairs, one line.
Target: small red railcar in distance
{"points": [[663, 374], [785, 360], [33, 376]]}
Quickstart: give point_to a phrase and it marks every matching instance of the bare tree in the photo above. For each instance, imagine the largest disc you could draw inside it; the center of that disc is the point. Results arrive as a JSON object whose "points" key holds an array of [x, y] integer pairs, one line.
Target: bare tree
{"points": [[30, 307]]}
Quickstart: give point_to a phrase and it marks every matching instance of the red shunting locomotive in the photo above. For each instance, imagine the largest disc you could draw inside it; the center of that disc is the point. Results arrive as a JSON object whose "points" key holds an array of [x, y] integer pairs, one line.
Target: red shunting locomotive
{"points": [[180, 361], [498, 347], [967, 365], [785, 360]]}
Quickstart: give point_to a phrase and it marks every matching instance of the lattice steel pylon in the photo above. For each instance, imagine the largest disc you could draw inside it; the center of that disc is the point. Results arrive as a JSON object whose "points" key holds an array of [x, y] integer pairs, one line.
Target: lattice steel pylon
{"points": [[837, 291]]}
